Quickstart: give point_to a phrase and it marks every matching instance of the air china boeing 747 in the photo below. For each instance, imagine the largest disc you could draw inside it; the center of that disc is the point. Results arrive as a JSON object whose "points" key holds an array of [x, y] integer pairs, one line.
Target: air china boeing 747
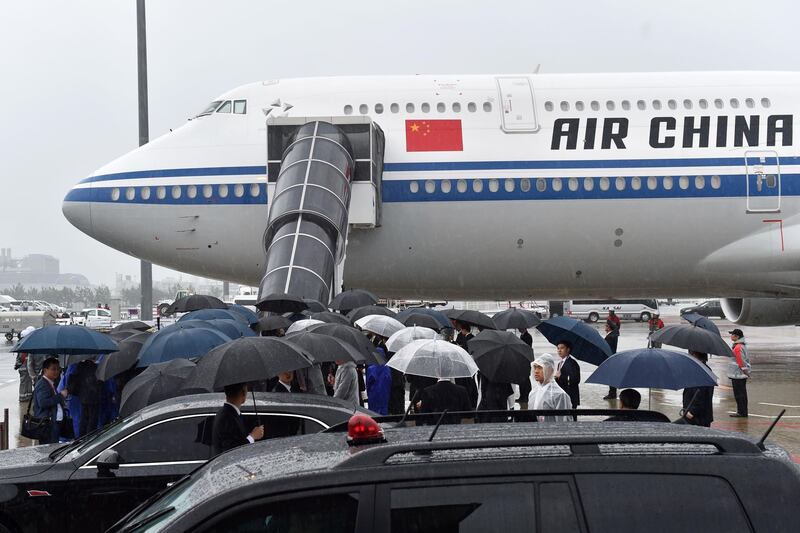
{"points": [[476, 187]]}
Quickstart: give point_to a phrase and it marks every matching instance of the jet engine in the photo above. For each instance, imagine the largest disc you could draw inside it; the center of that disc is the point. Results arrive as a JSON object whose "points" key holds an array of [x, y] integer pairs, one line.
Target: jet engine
{"points": [[762, 311]]}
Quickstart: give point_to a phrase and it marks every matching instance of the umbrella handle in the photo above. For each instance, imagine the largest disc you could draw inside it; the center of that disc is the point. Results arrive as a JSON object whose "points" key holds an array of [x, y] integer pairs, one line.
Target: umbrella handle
{"points": [[255, 407]]}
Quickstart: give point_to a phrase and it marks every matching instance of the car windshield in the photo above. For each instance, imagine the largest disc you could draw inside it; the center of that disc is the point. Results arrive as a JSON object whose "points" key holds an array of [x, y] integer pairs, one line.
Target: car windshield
{"points": [[177, 498], [93, 440]]}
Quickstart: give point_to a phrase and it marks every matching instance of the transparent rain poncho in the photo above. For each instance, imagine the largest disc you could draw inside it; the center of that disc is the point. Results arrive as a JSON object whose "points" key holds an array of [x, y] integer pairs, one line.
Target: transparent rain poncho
{"points": [[548, 394]]}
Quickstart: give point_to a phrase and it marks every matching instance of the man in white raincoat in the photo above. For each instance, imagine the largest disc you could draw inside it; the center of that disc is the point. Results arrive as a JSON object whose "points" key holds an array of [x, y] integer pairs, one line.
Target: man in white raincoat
{"points": [[546, 393]]}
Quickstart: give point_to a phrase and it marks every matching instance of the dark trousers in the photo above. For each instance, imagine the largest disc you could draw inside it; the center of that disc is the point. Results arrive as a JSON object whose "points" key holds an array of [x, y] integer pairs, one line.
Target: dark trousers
{"points": [[524, 391], [740, 393], [612, 391], [89, 413]]}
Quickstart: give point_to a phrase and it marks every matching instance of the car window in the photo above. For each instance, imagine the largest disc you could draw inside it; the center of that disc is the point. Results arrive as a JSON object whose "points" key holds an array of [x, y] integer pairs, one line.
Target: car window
{"points": [[103, 312], [557, 507], [659, 503], [282, 425], [175, 440], [476, 508], [330, 513]]}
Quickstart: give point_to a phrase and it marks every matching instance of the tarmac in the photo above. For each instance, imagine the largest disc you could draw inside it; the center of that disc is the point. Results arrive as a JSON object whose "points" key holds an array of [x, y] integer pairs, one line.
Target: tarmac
{"points": [[775, 383]]}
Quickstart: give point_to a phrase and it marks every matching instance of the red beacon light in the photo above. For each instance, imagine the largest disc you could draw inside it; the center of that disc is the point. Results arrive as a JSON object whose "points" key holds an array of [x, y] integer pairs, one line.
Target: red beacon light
{"points": [[362, 429]]}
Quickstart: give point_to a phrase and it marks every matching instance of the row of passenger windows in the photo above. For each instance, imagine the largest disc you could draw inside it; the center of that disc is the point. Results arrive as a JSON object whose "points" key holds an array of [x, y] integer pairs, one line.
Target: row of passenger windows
{"points": [[190, 191], [657, 105], [425, 107], [573, 184]]}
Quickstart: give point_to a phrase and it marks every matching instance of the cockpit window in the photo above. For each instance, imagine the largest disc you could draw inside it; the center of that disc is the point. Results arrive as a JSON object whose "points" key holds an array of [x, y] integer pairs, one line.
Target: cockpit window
{"points": [[210, 108], [240, 107], [225, 108]]}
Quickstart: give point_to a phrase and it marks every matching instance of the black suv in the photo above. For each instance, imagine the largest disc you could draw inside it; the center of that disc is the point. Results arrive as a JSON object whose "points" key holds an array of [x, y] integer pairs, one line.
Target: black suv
{"points": [[708, 308], [93, 482], [488, 477]]}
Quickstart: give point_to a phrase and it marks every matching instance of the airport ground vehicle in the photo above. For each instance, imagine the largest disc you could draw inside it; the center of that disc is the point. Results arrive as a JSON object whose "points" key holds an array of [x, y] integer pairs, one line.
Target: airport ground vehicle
{"points": [[95, 318], [163, 305], [488, 477], [707, 308], [13, 322], [594, 310], [92, 483]]}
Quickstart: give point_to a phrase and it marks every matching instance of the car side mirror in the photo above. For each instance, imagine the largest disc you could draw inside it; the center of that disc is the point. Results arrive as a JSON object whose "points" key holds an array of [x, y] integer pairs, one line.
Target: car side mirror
{"points": [[107, 461]]}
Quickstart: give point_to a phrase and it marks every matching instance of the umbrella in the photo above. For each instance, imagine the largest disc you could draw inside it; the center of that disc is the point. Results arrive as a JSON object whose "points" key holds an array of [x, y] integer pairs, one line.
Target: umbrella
{"points": [[331, 318], [475, 318], [501, 356], [295, 316], [692, 338], [247, 314], [180, 341], [232, 328], [653, 368], [418, 319], [514, 318], [451, 313], [70, 359], [136, 325], [213, 314], [441, 318], [122, 334], [158, 382], [244, 360], [353, 337], [280, 302], [67, 340], [123, 359], [385, 326], [587, 344], [274, 322], [300, 325], [315, 306], [324, 348], [195, 302], [407, 335], [352, 299], [434, 358], [701, 322], [359, 313]]}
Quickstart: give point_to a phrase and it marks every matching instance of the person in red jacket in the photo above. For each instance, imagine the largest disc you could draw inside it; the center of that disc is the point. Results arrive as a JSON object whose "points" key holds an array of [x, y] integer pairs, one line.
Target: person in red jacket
{"points": [[612, 317]]}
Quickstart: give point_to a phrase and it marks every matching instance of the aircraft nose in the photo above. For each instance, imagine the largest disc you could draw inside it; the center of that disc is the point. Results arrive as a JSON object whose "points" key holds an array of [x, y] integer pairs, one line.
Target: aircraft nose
{"points": [[77, 209]]}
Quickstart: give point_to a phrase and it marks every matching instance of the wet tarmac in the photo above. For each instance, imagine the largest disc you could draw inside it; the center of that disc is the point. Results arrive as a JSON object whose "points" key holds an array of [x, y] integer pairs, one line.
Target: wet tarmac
{"points": [[775, 384]]}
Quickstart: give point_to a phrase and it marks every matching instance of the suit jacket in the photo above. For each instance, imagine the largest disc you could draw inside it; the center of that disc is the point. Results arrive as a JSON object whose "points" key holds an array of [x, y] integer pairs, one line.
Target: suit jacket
{"points": [[569, 379], [702, 408], [279, 387], [45, 404], [229, 431], [445, 395]]}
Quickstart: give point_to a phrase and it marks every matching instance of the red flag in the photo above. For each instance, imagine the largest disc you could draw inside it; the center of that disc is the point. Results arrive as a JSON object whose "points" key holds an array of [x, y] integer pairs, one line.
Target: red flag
{"points": [[433, 136]]}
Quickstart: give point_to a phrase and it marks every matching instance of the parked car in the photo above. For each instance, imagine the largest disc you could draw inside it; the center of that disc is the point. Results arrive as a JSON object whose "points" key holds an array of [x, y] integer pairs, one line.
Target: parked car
{"points": [[487, 477], [93, 482], [95, 318], [708, 308]]}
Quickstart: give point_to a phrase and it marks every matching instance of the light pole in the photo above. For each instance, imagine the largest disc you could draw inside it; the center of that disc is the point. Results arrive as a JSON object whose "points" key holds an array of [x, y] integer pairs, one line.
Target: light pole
{"points": [[146, 283]]}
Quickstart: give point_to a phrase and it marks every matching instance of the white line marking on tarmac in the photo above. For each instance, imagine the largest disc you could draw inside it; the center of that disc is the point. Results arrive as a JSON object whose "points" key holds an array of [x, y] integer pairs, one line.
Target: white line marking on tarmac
{"points": [[780, 405]]}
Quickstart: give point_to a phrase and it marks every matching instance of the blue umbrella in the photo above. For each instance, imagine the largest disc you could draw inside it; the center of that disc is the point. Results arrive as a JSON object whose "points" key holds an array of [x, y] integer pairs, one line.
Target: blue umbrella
{"points": [[701, 322], [232, 328], [440, 317], [653, 368], [67, 340], [212, 314], [249, 315], [180, 341], [587, 344]]}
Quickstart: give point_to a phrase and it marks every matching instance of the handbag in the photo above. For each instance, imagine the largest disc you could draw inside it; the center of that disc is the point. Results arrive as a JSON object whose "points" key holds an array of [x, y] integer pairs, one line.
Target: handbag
{"points": [[67, 429], [35, 427]]}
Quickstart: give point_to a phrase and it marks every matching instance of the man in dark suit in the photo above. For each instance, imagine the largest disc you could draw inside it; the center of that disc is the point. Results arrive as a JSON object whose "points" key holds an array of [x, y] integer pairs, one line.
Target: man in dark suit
{"points": [[445, 395], [47, 402], [525, 386], [229, 430], [286, 383], [568, 373]]}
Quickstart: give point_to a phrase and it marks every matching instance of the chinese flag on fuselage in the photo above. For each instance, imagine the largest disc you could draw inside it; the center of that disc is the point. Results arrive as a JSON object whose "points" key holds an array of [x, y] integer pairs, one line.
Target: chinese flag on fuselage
{"points": [[434, 136]]}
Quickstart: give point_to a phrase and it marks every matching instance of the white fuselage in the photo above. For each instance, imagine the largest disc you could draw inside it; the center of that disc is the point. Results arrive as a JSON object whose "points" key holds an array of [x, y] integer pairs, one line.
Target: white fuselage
{"points": [[567, 186]]}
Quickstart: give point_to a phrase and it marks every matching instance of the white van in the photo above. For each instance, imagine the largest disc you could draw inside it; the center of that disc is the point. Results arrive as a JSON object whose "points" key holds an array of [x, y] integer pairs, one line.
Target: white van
{"points": [[594, 310], [94, 318]]}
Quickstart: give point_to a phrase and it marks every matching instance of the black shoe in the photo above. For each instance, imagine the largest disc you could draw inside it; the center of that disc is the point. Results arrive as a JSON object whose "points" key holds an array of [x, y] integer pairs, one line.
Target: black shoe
{"points": [[610, 397], [737, 415]]}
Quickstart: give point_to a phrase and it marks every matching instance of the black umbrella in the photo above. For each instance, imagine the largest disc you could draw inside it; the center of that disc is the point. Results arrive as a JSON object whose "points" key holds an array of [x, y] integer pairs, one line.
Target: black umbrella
{"points": [[451, 313], [271, 323], [281, 302], [418, 319], [122, 360], [136, 325], [123, 334], [195, 302], [331, 318], [353, 337], [501, 356], [516, 319], [158, 382], [475, 318], [361, 312], [701, 322], [352, 299], [692, 338], [315, 306], [441, 318], [324, 348], [587, 344]]}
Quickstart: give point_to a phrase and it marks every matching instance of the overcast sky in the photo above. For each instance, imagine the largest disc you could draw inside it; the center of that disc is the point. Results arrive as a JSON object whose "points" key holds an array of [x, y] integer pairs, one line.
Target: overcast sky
{"points": [[68, 71]]}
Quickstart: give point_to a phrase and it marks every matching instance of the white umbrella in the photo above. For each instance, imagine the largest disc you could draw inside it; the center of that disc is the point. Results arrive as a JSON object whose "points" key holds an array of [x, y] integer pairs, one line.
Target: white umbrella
{"points": [[407, 335], [434, 358], [300, 325], [385, 326]]}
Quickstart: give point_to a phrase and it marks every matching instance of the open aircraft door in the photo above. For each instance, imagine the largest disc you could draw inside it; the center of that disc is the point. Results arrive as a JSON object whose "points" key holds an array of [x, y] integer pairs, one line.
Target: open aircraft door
{"points": [[763, 175], [518, 104]]}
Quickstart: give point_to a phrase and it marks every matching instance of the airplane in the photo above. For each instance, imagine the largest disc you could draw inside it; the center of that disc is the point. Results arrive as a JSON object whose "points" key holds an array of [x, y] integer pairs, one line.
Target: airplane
{"points": [[506, 187]]}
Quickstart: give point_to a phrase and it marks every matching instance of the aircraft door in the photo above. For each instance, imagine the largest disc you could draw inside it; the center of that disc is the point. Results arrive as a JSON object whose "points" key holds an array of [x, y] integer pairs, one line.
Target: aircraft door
{"points": [[517, 100], [763, 175]]}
